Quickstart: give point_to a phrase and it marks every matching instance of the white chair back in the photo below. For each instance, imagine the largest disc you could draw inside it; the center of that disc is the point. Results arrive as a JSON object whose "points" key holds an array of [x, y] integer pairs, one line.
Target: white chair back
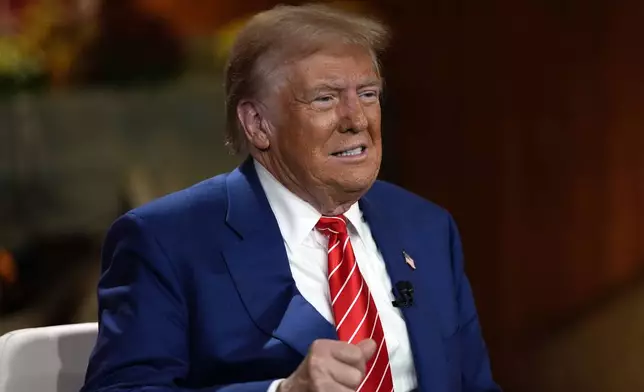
{"points": [[46, 359]]}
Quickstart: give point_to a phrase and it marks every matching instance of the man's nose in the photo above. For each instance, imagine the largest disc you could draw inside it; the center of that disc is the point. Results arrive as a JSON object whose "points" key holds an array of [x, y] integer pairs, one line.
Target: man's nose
{"points": [[354, 117]]}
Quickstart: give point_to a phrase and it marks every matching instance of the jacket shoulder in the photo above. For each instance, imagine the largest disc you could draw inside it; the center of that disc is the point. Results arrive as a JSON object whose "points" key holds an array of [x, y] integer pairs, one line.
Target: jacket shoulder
{"points": [[178, 225], [187, 205]]}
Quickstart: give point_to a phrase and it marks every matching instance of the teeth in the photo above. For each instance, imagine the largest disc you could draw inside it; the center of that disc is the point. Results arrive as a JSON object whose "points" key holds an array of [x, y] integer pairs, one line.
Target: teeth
{"points": [[355, 151]]}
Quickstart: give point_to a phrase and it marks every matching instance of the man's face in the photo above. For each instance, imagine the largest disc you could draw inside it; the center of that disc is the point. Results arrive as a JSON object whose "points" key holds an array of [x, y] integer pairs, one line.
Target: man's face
{"points": [[327, 134]]}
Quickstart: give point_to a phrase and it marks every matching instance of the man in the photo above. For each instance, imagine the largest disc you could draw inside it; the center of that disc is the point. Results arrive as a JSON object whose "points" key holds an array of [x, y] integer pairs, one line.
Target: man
{"points": [[278, 276]]}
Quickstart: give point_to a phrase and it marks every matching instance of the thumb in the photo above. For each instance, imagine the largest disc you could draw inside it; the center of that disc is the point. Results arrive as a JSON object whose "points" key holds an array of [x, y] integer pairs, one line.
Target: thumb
{"points": [[368, 347]]}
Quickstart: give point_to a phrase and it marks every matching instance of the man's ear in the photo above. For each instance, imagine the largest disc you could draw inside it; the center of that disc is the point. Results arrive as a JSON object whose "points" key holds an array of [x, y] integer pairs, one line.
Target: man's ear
{"points": [[255, 125]]}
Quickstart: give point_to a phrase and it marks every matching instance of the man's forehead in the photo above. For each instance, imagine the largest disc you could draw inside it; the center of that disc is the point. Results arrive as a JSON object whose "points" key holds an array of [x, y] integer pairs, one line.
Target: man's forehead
{"points": [[337, 66]]}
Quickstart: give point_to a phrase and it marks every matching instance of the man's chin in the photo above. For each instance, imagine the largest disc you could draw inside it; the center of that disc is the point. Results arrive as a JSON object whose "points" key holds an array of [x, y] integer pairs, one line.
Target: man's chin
{"points": [[357, 182]]}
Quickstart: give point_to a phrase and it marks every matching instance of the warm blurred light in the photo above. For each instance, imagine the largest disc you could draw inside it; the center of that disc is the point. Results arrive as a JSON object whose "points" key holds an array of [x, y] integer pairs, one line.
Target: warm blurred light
{"points": [[47, 36], [225, 35], [8, 271], [198, 17]]}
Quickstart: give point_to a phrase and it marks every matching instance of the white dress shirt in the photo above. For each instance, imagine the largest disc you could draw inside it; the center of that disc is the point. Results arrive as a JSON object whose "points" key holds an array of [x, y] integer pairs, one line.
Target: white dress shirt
{"points": [[306, 249]]}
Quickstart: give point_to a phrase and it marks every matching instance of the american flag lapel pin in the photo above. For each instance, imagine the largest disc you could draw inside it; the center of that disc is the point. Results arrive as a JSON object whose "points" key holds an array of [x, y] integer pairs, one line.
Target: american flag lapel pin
{"points": [[410, 262]]}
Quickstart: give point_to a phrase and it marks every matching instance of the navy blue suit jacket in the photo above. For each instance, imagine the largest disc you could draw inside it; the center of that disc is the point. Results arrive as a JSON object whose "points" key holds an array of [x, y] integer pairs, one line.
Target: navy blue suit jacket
{"points": [[196, 293]]}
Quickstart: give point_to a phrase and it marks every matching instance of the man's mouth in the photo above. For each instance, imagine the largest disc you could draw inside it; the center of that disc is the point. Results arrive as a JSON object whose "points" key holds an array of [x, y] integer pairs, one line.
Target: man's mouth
{"points": [[351, 152]]}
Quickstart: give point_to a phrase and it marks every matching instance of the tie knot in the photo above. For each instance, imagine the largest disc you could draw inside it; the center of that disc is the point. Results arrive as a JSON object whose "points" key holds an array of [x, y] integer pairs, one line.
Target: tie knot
{"points": [[328, 225]]}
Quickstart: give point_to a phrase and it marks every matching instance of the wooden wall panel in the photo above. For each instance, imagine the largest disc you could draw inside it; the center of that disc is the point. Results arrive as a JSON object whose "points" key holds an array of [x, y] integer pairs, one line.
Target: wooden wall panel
{"points": [[625, 74], [526, 120]]}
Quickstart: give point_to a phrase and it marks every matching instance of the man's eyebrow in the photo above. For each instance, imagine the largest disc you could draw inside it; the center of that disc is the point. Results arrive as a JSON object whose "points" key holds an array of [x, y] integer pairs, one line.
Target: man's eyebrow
{"points": [[336, 86], [326, 85]]}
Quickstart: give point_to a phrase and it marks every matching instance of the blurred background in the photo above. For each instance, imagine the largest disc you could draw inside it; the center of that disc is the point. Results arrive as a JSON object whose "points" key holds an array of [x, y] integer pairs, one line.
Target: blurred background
{"points": [[524, 118]]}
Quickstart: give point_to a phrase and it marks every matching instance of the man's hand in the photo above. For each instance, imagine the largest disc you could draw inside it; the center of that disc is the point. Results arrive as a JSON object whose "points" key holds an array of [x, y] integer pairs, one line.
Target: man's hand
{"points": [[332, 366]]}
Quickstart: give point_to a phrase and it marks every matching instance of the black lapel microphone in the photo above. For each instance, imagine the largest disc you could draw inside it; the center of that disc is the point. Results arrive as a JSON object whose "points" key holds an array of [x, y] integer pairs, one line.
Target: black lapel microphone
{"points": [[405, 297]]}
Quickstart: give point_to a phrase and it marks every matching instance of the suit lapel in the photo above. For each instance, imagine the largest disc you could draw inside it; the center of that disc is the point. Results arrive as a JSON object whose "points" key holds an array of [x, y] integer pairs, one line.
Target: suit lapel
{"points": [[260, 269], [421, 318]]}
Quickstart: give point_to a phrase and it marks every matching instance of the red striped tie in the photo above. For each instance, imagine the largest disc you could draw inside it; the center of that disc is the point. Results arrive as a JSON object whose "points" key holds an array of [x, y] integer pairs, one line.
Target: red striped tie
{"points": [[355, 313]]}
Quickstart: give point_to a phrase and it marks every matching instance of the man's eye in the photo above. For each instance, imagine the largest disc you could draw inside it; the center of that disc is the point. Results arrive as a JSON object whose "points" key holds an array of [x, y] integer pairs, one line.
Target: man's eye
{"points": [[324, 98], [369, 94], [324, 101]]}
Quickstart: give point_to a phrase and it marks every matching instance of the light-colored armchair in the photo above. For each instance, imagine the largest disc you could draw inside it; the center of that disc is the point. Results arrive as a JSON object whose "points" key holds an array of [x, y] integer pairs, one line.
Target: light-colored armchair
{"points": [[46, 359]]}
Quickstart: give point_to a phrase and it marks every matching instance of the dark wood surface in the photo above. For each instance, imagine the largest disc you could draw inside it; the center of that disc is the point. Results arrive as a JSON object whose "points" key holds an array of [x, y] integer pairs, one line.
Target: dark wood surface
{"points": [[526, 120]]}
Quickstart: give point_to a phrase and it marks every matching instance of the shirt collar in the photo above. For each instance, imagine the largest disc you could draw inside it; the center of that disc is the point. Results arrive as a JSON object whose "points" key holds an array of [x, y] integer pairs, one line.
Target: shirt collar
{"points": [[295, 217], [354, 216]]}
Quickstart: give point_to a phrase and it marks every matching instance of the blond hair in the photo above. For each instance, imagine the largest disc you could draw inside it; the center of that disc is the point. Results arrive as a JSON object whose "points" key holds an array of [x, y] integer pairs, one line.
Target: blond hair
{"points": [[284, 34]]}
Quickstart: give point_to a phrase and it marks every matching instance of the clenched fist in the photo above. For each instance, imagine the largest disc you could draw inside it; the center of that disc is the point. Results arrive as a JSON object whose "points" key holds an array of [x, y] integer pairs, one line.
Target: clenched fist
{"points": [[332, 366]]}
